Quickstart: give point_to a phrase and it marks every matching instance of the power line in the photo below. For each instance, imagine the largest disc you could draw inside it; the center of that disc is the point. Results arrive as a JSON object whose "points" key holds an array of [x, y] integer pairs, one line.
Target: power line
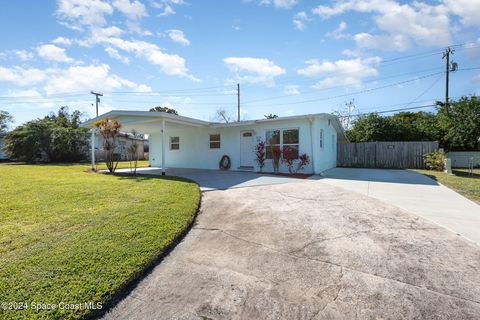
{"points": [[343, 86], [357, 92], [392, 110], [425, 91]]}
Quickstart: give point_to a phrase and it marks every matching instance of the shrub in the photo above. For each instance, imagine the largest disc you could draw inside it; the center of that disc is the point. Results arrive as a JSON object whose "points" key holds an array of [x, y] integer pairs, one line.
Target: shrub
{"points": [[260, 154], [434, 160], [290, 159]]}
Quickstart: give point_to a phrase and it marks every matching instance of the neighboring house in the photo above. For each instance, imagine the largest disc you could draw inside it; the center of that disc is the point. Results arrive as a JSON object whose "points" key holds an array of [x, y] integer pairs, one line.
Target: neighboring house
{"points": [[181, 142], [3, 155], [124, 141]]}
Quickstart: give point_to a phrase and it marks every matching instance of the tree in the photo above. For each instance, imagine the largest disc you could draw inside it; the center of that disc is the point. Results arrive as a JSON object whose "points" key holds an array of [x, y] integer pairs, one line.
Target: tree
{"points": [[371, 127], [56, 138], [460, 124], [109, 130], [346, 114], [164, 109], [223, 116], [132, 151], [271, 116], [5, 120]]}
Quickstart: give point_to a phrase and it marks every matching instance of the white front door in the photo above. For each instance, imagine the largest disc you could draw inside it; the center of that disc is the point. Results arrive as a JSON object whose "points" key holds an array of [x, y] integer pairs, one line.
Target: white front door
{"points": [[246, 149]]}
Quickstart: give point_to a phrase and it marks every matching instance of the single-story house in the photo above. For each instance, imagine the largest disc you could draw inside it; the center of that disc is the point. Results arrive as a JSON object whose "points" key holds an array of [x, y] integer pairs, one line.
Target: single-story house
{"points": [[182, 142]]}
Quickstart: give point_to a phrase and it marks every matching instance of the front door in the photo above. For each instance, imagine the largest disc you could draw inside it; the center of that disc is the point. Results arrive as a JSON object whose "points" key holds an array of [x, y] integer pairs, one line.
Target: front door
{"points": [[246, 149]]}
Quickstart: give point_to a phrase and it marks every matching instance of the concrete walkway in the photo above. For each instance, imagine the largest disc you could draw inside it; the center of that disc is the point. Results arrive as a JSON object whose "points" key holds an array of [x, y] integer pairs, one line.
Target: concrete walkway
{"points": [[221, 180], [415, 193], [309, 250]]}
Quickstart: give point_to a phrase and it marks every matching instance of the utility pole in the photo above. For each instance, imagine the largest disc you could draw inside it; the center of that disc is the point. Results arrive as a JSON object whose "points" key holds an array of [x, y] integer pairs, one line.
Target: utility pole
{"points": [[238, 102], [446, 56], [97, 100]]}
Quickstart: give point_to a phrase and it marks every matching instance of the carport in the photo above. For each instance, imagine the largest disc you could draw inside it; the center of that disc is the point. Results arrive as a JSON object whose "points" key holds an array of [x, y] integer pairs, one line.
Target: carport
{"points": [[147, 123]]}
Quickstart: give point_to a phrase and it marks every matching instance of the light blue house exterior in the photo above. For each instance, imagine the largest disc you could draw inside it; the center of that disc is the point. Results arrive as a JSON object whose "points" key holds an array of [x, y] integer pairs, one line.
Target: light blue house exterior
{"points": [[181, 142]]}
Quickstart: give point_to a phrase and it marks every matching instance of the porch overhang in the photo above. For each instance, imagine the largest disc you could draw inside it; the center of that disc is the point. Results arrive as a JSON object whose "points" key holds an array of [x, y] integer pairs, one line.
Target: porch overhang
{"points": [[145, 121]]}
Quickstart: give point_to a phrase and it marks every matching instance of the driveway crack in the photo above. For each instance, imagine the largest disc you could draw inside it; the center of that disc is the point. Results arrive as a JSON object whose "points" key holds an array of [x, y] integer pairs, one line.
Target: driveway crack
{"points": [[334, 264]]}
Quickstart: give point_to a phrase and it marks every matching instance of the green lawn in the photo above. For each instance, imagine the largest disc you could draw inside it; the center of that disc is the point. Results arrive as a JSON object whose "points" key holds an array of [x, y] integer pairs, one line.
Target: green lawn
{"points": [[73, 237], [469, 186]]}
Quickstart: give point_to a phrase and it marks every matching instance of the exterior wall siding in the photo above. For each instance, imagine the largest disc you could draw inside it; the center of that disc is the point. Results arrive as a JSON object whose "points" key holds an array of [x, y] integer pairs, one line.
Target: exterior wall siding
{"points": [[194, 151]]}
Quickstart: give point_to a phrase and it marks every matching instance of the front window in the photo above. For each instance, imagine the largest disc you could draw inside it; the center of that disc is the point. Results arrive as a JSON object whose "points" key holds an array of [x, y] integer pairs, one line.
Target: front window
{"points": [[174, 143], [215, 141], [282, 138], [272, 139]]}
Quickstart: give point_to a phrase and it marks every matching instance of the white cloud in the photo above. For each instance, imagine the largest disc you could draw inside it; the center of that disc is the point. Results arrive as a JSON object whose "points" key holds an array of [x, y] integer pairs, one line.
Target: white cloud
{"points": [[292, 89], [397, 42], [84, 12], [79, 11], [53, 53], [254, 70], [167, 6], [133, 10], [62, 40], [467, 10], [341, 72], [73, 78], [419, 22], [472, 49], [338, 32], [24, 55], [300, 20], [22, 77], [281, 4], [178, 36], [171, 64], [116, 55]]}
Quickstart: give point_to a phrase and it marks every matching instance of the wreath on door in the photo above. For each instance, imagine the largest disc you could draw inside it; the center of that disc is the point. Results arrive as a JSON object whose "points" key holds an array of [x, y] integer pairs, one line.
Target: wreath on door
{"points": [[225, 163]]}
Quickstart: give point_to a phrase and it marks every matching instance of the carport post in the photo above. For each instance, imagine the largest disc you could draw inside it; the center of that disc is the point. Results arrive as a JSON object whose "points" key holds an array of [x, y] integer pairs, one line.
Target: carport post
{"points": [[163, 147]]}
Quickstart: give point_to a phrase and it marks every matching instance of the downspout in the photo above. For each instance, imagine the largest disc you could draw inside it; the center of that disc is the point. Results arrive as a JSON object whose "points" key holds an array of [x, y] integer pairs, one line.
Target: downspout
{"points": [[163, 146], [311, 144]]}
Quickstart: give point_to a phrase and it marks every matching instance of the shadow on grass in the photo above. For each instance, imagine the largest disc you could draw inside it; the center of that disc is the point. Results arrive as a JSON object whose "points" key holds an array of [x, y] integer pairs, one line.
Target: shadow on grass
{"points": [[465, 174], [148, 177]]}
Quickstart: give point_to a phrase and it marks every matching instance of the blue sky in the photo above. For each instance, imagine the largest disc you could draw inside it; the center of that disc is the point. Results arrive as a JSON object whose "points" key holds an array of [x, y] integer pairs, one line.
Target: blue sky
{"points": [[289, 56]]}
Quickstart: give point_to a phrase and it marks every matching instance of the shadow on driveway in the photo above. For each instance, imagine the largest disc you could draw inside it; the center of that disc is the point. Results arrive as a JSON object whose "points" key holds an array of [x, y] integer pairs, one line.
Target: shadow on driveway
{"points": [[222, 180]]}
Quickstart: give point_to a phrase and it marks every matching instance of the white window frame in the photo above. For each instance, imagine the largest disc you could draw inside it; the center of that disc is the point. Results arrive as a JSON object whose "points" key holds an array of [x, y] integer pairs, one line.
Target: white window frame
{"points": [[210, 141], [281, 144], [172, 143], [322, 136]]}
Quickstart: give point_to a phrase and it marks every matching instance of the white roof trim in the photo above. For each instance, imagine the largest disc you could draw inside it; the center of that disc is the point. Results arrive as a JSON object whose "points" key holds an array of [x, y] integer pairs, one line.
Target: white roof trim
{"points": [[200, 123]]}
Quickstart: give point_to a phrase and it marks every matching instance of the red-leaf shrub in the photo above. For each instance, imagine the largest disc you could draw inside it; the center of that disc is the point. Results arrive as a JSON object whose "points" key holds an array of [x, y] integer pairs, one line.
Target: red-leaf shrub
{"points": [[260, 154], [289, 158]]}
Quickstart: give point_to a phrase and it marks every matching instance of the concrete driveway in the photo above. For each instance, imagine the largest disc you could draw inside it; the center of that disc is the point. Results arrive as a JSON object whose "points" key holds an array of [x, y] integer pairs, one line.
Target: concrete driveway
{"points": [[309, 250], [415, 193]]}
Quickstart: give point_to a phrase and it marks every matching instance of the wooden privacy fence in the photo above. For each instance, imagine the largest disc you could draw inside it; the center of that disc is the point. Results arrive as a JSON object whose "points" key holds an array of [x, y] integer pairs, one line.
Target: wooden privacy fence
{"points": [[384, 154]]}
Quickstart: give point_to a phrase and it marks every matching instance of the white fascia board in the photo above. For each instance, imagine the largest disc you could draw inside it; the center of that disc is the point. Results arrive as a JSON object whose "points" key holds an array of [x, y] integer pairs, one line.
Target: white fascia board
{"points": [[144, 116]]}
